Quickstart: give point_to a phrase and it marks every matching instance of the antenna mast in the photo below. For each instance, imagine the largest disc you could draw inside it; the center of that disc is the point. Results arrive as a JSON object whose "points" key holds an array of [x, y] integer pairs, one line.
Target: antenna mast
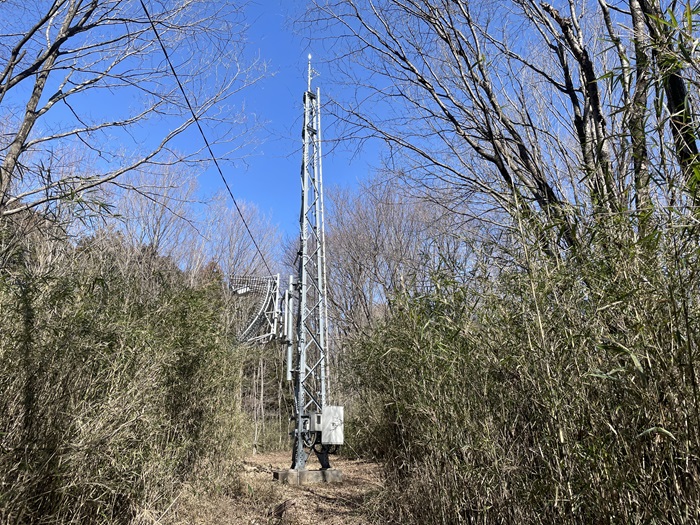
{"points": [[317, 426]]}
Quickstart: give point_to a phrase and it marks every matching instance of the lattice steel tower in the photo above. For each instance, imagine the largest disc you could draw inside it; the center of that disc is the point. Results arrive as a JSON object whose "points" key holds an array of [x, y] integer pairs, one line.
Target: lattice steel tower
{"points": [[317, 426]]}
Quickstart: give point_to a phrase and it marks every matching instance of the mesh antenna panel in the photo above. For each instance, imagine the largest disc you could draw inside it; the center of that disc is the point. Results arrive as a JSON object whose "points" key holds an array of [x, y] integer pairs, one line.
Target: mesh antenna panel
{"points": [[256, 307]]}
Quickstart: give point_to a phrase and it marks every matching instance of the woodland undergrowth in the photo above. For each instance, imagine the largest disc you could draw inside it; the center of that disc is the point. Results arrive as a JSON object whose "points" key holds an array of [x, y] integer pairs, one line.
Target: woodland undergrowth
{"points": [[541, 390], [120, 382]]}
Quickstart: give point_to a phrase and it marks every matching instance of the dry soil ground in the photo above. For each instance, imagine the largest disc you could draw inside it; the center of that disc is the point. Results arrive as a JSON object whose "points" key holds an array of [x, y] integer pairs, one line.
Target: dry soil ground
{"points": [[269, 502]]}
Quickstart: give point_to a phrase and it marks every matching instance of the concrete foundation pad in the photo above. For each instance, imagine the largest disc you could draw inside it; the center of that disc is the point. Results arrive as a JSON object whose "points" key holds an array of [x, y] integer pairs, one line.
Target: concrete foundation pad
{"points": [[308, 477]]}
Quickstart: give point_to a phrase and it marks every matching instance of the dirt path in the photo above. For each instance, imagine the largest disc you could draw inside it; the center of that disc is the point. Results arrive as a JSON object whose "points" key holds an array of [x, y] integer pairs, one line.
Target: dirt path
{"points": [[327, 503], [259, 500]]}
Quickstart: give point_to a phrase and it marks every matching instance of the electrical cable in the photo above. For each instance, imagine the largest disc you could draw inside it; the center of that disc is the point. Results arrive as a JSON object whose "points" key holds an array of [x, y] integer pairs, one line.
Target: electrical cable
{"points": [[204, 137]]}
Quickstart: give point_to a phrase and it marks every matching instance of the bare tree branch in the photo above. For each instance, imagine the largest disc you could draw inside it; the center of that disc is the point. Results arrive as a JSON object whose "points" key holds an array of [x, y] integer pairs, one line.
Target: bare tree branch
{"points": [[98, 58]]}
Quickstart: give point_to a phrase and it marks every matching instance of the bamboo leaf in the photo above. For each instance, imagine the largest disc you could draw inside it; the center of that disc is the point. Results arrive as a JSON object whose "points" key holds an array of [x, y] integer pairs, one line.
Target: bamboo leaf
{"points": [[658, 430]]}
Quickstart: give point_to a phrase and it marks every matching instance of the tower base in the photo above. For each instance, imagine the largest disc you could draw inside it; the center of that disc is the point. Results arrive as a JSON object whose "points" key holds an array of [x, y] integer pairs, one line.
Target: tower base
{"points": [[307, 477]]}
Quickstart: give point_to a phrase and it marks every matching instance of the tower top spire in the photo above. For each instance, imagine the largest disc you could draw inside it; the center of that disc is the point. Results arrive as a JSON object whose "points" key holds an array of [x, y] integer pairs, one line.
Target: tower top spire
{"points": [[310, 70]]}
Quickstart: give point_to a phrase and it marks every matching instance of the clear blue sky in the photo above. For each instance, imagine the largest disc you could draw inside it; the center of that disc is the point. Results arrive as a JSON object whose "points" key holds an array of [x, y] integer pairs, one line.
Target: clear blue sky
{"points": [[271, 179]]}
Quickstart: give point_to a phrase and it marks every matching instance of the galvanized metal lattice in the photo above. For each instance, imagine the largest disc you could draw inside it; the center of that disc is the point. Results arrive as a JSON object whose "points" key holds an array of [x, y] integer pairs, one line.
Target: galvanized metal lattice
{"points": [[309, 363]]}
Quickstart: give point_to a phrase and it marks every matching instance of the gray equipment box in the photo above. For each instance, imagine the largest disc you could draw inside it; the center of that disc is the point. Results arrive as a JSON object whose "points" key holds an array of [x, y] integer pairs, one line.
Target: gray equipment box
{"points": [[315, 421], [332, 425]]}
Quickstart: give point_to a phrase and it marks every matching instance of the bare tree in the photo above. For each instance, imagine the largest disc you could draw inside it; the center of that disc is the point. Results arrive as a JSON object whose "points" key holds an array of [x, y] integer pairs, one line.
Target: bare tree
{"points": [[156, 209], [223, 238], [381, 242], [84, 84], [557, 115], [164, 211]]}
